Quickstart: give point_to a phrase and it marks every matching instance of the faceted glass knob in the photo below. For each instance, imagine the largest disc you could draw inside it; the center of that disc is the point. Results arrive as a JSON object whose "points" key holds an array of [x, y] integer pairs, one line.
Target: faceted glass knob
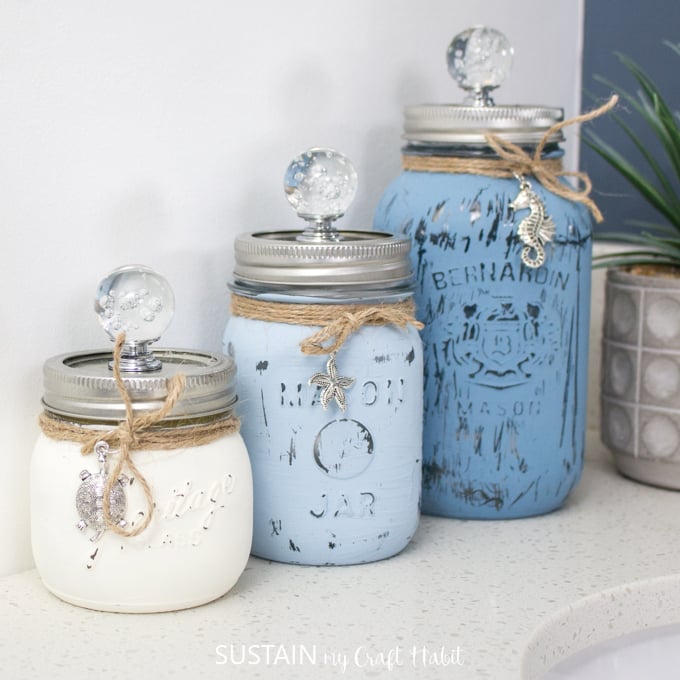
{"points": [[479, 59], [320, 184], [138, 301]]}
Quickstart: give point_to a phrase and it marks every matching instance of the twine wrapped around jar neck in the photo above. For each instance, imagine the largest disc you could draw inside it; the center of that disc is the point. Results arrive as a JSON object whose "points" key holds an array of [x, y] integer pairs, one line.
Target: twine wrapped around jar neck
{"points": [[337, 322], [137, 433], [513, 160]]}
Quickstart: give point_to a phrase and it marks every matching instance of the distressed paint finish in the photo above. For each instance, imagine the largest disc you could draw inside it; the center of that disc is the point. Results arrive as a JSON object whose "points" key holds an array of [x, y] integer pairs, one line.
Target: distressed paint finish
{"points": [[506, 346], [330, 486]]}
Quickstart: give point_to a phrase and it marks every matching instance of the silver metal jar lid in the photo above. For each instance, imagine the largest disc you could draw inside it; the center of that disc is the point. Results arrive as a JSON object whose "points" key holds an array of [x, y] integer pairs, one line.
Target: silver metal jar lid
{"points": [[459, 124], [81, 385], [358, 260], [479, 60], [139, 302], [320, 260]]}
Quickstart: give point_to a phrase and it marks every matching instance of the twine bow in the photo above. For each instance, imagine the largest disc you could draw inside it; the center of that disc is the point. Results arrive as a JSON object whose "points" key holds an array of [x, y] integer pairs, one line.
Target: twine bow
{"points": [[337, 322], [512, 160], [349, 322], [521, 163], [126, 438]]}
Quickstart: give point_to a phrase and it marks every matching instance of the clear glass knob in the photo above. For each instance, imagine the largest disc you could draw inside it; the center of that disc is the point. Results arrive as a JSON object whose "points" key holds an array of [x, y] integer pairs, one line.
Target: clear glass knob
{"points": [[138, 301], [479, 59], [320, 184]]}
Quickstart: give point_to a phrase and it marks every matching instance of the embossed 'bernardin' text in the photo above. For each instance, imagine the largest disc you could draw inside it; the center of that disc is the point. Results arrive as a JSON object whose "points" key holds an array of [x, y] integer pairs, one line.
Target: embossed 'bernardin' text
{"points": [[495, 272]]}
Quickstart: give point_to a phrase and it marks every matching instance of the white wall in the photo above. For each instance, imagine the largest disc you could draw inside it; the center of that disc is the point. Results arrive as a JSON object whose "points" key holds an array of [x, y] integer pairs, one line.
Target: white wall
{"points": [[155, 130]]}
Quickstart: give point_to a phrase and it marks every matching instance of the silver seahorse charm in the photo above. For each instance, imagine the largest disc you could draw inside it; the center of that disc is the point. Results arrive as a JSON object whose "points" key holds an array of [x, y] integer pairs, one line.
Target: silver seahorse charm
{"points": [[536, 229]]}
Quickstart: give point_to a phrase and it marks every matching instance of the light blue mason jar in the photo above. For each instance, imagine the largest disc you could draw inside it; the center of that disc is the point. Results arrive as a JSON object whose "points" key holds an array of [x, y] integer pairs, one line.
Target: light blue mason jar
{"points": [[334, 432], [503, 285]]}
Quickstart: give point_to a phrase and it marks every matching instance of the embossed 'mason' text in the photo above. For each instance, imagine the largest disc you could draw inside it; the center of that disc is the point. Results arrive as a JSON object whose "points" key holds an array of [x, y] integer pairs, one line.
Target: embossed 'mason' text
{"points": [[370, 392], [500, 409]]}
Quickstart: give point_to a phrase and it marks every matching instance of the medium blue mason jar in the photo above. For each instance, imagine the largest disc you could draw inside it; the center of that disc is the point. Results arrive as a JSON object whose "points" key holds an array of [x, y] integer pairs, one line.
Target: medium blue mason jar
{"points": [[503, 286], [334, 436]]}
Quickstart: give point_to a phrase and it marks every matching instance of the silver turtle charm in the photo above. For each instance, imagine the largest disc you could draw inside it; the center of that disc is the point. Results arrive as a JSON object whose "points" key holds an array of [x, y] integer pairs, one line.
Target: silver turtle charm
{"points": [[90, 497]]}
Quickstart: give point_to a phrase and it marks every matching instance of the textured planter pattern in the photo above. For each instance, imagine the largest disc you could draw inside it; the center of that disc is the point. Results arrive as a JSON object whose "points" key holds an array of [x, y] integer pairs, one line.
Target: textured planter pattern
{"points": [[641, 376]]}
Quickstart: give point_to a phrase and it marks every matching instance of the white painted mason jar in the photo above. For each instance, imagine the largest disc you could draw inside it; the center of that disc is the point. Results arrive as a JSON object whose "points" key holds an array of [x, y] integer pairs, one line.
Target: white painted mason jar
{"points": [[334, 436], [197, 542]]}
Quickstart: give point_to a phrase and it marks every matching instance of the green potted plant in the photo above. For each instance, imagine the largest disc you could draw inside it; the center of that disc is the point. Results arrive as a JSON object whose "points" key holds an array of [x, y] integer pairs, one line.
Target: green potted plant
{"points": [[640, 379]]}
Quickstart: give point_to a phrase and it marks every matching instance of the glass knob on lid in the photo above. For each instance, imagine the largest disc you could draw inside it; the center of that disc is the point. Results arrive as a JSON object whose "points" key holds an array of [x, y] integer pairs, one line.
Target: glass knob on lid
{"points": [[320, 184], [138, 301], [479, 59]]}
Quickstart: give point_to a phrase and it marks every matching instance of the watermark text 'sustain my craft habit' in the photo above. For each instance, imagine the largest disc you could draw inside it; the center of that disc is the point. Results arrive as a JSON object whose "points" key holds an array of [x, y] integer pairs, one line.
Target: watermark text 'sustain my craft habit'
{"points": [[399, 656]]}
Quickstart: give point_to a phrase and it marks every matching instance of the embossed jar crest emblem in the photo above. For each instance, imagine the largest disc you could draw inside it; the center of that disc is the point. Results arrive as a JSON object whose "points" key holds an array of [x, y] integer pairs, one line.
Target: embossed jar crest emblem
{"points": [[502, 342]]}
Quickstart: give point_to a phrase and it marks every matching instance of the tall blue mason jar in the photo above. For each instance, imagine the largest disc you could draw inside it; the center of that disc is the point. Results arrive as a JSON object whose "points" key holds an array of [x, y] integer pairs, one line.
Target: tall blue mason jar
{"points": [[334, 427], [503, 286]]}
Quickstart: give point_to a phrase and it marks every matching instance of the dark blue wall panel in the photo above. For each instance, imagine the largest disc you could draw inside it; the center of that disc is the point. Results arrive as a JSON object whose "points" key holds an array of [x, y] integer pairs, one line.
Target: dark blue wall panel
{"points": [[636, 28]]}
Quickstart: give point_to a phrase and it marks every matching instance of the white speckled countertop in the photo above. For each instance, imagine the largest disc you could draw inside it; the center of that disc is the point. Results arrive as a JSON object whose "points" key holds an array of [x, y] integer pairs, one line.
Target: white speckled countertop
{"points": [[466, 599]]}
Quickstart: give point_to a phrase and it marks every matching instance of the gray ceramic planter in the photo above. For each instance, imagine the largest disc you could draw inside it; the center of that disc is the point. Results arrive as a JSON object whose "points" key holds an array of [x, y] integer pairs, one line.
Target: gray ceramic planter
{"points": [[640, 393]]}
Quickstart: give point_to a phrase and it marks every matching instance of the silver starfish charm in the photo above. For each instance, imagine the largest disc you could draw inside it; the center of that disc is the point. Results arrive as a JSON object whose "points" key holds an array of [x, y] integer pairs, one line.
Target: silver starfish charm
{"points": [[332, 384]]}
